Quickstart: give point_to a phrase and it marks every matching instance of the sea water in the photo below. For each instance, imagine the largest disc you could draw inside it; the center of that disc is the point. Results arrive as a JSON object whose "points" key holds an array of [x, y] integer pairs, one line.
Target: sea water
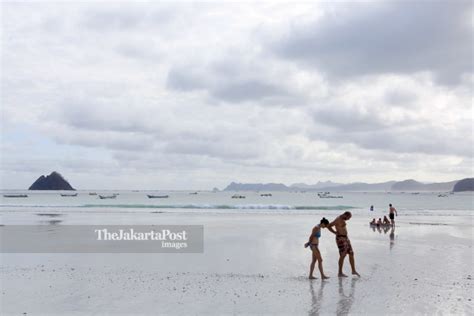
{"points": [[41, 204]]}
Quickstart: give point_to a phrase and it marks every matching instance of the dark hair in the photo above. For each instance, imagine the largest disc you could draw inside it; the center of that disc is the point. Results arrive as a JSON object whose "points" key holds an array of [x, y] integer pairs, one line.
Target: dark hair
{"points": [[324, 221], [390, 205], [347, 213]]}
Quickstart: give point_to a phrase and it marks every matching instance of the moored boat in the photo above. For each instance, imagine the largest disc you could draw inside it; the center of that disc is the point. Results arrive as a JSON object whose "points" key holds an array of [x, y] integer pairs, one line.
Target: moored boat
{"points": [[237, 196], [102, 197], [15, 195], [150, 196], [68, 194]]}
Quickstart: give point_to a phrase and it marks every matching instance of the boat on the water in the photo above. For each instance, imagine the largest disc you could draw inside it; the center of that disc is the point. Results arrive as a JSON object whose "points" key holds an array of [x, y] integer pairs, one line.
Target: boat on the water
{"points": [[327, 195], [92, 193], [15, 195], [237, 196], [193, 193], [102, 197], [266, 194], [71, 195], [150, 196]]}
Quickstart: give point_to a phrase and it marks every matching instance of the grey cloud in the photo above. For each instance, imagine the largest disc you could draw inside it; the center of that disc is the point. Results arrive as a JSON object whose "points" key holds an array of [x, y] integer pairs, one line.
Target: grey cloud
{"points": [[400, 97], [185, 79], [396, 37], [414, 139], [108, 140], [348, 119], [232, 150], [112, 18], [247, 90], [224, 83], [94, 114]]}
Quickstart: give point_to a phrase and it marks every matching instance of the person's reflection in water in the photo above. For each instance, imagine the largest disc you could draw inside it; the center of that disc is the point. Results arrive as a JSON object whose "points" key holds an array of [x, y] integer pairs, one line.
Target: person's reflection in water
{"points": [[316, 299], [392, 237], [386, 229], [345, 301]]}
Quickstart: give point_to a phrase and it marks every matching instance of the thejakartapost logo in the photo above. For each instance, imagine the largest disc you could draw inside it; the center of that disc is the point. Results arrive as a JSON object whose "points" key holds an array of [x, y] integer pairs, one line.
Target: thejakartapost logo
{"points": [[167, 238], [101, 239]]}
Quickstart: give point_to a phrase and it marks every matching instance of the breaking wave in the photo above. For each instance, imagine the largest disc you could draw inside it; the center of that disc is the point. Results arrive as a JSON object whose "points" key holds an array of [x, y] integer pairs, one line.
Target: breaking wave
{"points": [[222, 207]]}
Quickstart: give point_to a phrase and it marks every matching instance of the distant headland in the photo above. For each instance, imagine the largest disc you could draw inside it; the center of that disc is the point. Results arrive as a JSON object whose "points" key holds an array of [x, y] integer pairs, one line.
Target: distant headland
{"points": [[54, 181], [396, 186]]}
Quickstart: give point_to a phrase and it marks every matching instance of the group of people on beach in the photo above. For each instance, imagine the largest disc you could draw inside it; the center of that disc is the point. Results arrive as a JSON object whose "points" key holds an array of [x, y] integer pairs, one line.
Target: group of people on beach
{"points": [[339, 228], [392, 212]]}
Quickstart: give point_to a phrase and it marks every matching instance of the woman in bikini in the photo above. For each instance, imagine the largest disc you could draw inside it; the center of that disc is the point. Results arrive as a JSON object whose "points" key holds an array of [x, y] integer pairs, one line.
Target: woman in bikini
{"points": [[313, 243]]}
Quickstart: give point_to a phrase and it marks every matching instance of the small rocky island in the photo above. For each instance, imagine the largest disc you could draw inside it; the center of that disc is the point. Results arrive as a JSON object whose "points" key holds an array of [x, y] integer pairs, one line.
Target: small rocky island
{"points": [[54, 181]]}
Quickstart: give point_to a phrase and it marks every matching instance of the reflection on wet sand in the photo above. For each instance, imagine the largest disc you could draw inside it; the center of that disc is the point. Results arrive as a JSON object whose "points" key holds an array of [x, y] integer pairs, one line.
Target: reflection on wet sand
{"points": [[392, 237], [385, 231], [345, 300], [316, 299], [51, 221]]}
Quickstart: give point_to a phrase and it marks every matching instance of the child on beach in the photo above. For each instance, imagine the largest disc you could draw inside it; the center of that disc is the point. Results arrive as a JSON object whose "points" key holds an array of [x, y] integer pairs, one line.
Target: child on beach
{"points": [[313, 243], [386, 221]]}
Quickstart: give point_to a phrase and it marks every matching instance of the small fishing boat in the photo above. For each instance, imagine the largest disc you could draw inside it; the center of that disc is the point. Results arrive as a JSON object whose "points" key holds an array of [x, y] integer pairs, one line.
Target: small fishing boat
{"points": [[236, 196], [327, 195], [69, 194], [266, 194], [150, 196], [15, 195], [102, 197], [193, 193]]}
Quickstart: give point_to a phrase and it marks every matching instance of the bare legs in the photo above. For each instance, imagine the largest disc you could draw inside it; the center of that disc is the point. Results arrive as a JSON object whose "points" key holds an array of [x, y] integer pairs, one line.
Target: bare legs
{"points": [[351, 261], [317, 257], [311, 267], [341, 264]]}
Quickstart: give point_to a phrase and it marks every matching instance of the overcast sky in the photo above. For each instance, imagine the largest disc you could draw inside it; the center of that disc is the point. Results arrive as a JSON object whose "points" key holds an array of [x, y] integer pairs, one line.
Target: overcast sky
{"points": [[195, 95]]}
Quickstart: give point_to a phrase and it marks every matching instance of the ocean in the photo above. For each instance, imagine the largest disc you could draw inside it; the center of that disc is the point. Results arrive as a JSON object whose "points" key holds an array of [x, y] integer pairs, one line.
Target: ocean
{"points": [[30, 209]]}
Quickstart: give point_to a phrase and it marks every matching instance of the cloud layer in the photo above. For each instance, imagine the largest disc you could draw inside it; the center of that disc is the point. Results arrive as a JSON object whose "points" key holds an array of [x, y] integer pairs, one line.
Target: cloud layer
{"points": [[197, 95]]}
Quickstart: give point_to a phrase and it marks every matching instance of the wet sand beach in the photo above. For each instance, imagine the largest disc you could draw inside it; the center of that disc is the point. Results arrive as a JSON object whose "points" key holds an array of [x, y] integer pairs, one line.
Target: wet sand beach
{"points": [[254, 264]]}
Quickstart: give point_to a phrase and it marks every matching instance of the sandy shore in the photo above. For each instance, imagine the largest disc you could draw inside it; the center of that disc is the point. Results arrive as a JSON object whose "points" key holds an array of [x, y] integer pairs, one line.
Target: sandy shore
{"points": [[253, 264]]}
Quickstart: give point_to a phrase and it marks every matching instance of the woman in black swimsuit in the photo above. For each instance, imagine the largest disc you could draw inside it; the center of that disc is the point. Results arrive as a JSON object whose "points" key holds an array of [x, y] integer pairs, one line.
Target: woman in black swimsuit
{"points": [[313, 243]]}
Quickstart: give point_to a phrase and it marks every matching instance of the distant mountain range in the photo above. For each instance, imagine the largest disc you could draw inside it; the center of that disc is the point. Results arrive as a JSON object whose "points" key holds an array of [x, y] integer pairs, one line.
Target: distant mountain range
{"points": [[406, 185]]}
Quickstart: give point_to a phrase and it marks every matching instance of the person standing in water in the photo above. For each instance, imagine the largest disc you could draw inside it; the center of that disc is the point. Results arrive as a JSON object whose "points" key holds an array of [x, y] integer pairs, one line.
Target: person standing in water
{"points": [[343, 242], [391, 213], [313, 243]]}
